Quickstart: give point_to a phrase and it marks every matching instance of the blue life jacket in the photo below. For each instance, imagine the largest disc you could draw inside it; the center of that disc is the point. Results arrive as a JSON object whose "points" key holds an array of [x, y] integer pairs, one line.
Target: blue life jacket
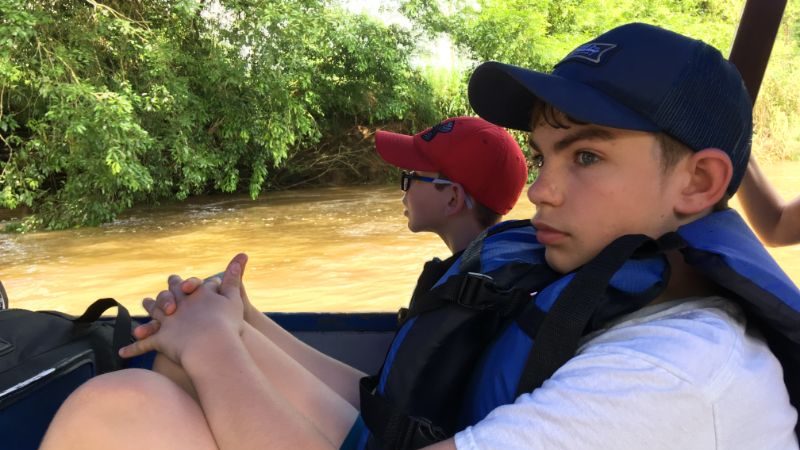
{"points": [[544, 333], [445, 331]]}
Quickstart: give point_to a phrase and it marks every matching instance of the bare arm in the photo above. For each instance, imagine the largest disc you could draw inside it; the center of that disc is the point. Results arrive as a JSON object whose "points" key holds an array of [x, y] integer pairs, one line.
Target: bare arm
{"points": [[243, 409], [340, 377], [775, 221], [243, 405]]}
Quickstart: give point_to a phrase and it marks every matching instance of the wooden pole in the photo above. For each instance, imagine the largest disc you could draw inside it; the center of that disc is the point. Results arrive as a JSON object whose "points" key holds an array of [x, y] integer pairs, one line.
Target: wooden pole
{"points": [[754, 40]]}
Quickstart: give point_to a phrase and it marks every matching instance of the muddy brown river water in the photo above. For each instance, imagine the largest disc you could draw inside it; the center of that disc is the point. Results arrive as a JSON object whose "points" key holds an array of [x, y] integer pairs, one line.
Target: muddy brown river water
{"points": [[331, 249]]}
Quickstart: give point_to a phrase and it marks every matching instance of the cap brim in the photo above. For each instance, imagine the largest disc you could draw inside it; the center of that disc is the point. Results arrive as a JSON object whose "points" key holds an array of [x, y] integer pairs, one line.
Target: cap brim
{"points": [[504, 94], [399, 150]]}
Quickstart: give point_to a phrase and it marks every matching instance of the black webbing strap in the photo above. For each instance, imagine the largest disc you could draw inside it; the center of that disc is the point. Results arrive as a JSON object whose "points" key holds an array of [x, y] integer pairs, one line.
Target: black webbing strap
{"points": [[3, 297], [122, 323], [470, 287], [563, 326], [471, 258], [473, 291], [394, 429]]}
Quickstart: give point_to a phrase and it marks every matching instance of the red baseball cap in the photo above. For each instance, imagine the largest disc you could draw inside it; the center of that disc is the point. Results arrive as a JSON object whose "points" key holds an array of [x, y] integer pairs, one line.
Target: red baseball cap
{"points": [[482, 157]]}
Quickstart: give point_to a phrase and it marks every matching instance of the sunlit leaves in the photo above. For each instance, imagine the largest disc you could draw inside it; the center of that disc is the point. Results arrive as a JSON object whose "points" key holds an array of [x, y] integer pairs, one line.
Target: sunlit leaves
{"points": [[106, 104]]}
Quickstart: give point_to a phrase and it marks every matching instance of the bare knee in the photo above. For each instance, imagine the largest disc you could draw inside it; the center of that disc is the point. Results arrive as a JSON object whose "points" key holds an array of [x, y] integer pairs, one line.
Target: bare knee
{"points": [[123, 389], [110, 396], [119, 406]]}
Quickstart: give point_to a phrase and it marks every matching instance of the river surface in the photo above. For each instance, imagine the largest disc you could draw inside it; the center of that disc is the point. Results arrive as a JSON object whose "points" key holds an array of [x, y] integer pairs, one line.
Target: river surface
{"points": [[331, 249]]}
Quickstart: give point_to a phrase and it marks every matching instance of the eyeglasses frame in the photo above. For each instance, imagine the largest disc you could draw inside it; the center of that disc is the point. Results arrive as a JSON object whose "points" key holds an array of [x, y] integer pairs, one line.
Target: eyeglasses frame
{"points": [[406, 177]]}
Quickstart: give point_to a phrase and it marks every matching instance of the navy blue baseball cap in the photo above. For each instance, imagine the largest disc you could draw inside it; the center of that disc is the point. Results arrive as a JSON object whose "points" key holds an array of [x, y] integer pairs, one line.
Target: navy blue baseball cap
{"points": [[637, 77]]}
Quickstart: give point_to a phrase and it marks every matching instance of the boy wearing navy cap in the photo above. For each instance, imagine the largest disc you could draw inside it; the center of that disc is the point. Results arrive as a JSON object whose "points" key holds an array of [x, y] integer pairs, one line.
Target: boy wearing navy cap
{"points": [[639, 132]]}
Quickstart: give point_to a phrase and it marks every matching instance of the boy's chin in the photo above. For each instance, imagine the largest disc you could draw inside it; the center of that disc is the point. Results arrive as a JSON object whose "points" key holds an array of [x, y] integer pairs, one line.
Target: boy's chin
{"points": [[418, 228], [561, 263]]}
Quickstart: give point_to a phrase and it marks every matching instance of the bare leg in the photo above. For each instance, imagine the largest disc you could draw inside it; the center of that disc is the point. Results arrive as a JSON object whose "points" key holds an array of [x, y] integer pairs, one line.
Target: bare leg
{"points": [[174, 372], [130, 409], [326, 409], [342, 378]]}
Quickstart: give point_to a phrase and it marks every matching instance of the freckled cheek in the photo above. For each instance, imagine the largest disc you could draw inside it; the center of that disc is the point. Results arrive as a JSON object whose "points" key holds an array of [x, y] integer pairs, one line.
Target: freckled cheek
{"points": [[529, 191], [418, 204]]}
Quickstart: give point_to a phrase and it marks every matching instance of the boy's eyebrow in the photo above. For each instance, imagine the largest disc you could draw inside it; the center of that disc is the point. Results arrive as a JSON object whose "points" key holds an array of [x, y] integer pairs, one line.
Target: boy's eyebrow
{"points": [[585, 133]]}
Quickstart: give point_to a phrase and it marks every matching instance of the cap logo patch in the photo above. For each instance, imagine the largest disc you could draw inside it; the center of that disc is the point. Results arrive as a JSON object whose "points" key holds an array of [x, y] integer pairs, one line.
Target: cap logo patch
{"points": [[444, 127], [592, 52]]}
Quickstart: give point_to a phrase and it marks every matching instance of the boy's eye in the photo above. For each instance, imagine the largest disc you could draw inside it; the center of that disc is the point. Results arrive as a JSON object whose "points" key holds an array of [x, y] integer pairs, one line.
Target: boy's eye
{"points": [[586, 158], [537, 161]]}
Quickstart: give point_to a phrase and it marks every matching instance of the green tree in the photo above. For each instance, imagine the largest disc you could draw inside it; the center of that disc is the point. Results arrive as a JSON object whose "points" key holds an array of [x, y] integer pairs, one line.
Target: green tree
{"points": [[538, 33], [107, 104]]}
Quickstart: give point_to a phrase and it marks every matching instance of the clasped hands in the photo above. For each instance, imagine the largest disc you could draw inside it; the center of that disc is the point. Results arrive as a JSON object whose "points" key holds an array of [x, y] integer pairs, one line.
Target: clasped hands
{"points": [[190, 312]]}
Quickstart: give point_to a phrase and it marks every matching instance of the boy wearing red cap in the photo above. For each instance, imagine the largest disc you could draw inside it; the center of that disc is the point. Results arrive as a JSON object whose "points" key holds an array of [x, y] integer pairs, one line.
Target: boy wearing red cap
{"points": [[462, 175], [639, 136], [638, 132]]}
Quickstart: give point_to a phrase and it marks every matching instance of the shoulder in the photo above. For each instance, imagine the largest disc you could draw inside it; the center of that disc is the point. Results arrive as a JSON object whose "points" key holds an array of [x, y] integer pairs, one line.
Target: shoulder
{"points": [[685, 375], [700, 357], [696, 340]]}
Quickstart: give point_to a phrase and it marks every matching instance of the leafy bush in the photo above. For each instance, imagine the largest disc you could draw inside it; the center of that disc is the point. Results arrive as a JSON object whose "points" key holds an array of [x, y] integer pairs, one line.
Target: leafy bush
{"points": [[103, 105], [538, 33]]}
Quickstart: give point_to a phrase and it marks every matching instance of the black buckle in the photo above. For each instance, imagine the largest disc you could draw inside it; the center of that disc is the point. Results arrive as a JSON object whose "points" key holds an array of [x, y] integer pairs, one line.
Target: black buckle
{"points": [[402, 315], [422, 433], [3, 297], [470, 288]]}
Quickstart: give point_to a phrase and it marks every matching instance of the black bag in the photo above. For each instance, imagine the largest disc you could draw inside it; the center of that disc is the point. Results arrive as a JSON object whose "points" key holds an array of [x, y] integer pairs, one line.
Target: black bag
{"points": [[3, 297], [46, 355]]}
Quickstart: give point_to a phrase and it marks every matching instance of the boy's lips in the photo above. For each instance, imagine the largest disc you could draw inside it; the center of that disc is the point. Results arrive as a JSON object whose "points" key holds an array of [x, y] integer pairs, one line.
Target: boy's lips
{"points": [[548, 235]]}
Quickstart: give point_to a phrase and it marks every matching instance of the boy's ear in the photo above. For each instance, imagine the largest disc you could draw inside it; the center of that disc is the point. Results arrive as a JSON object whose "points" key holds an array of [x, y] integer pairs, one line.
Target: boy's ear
{"points": [[457, 202], [708, 173]]}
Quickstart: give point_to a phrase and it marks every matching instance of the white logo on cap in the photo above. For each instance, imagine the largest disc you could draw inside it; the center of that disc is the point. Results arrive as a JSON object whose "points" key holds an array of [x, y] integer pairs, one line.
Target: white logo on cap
{"points": [[592, 52]]}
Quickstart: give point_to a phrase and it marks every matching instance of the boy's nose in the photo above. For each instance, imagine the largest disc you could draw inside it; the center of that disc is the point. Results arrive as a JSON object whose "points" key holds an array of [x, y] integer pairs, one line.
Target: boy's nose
{"points": [[544, 191]]}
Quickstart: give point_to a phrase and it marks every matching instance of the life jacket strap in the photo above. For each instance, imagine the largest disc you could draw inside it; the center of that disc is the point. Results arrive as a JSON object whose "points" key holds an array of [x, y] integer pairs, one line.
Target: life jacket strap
{"points": [[471, 290], [3, 298], [566, 322], [471, 258], [392, 428]]}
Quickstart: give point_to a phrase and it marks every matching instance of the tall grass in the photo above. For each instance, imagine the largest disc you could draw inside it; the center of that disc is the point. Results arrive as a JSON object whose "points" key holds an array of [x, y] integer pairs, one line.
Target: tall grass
{"points": [[777, 110], [776, 114], [449, 88]]}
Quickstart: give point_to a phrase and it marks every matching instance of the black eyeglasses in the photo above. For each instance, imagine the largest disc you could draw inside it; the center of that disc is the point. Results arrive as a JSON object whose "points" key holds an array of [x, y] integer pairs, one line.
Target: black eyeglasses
{"points": [[406, 177]]}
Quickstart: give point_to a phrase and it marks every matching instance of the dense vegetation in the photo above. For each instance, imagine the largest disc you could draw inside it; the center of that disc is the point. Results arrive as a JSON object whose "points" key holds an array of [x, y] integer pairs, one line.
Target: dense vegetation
{"points": [[537, 33], [108, 103]]}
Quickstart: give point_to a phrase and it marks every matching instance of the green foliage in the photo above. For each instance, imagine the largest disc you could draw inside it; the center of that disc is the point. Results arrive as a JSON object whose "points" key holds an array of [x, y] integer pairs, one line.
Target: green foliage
{"points": [[106, 104], [777, 111], [538, 33], [109, 103], [449, 88]]}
